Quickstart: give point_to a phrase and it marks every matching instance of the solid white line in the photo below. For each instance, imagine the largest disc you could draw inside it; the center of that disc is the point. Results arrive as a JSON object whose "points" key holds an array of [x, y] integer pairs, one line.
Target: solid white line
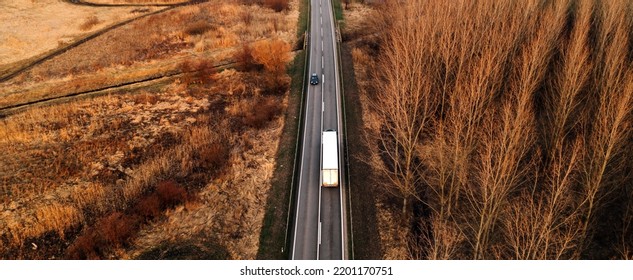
{"points": [[338, 117], [320, 232], [294, 241], [303, 149]]}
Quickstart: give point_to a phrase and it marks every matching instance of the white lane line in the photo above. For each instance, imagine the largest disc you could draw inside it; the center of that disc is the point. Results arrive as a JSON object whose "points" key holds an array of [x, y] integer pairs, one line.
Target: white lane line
{"points": [[322, 62], [338, 117], [303, 152], [322, 46], [319, 232], [320, 166]]}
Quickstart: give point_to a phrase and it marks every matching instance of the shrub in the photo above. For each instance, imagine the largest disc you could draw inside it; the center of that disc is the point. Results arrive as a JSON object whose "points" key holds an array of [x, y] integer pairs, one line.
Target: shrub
{"points": [[117, 228], [272, 54], [89, 23], [198, 28], [198, 72], [262, 112], [276, 5], [244, 58], [84, 247], [170, 193], [149, 207], [212, 157], [275, 84]]}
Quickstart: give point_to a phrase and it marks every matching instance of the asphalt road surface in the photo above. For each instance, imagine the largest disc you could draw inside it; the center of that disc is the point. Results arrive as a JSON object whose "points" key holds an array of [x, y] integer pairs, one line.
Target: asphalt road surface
{"points": [[319, 231]]}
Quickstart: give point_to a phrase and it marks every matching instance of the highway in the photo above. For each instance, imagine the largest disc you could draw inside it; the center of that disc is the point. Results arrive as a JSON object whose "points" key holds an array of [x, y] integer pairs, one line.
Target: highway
{"points": [[319, 230]]}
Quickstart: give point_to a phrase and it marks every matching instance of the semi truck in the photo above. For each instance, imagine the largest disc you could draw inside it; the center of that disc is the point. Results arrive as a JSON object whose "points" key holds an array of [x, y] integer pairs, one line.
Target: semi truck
{"points": [[329, 159]]}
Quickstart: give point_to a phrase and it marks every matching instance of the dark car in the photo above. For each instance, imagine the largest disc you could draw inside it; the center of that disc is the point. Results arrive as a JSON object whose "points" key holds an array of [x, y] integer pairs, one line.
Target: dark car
{"points": [[314, 79]]}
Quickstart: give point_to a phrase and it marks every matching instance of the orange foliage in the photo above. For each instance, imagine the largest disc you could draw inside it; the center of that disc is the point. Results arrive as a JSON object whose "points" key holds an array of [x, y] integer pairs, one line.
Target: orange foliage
{"points": [[272, 54]]}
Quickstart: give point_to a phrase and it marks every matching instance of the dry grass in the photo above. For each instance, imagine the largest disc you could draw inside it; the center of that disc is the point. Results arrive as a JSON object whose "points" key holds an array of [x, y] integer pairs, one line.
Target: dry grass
{"points": [[21, 40], [276, 5], [149, 47], [50, 160], [136, 2], [93, 173], [89, 23], [232, 206], [511, 145], [117, 150]]}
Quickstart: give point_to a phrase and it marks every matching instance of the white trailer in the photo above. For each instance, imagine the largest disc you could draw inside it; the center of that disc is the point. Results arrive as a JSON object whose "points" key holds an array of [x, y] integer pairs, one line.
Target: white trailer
{"points": [[329, 159]]}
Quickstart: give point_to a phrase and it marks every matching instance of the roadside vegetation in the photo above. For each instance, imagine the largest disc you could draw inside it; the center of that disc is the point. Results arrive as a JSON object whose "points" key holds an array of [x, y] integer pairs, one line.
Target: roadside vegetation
{"points": [[129, 174], [274, 238], [364, 239], [500, 129]]}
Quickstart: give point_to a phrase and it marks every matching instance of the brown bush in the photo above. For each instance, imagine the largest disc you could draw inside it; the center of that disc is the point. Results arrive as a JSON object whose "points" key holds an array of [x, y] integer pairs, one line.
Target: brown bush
{"points": [[244, 58], [117, 228], [276, 5], [149, 207], [205, 72], [198, 72], [112, 231], [262, 112], [212, 157], [170, 193], [275, 84], [89, 23], [198, 28], [272, 54], [84, 247]]}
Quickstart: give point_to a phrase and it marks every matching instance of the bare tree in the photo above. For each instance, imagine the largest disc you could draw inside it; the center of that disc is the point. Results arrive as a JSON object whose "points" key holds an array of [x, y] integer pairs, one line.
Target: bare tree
{"points": [[544, 223], [404, 104], [508, 137], [510, 120], [609, 130]]}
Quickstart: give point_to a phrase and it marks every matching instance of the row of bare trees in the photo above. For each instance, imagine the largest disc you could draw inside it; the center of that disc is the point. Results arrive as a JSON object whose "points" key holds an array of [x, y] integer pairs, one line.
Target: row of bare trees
{"points": [[510, 122]]}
